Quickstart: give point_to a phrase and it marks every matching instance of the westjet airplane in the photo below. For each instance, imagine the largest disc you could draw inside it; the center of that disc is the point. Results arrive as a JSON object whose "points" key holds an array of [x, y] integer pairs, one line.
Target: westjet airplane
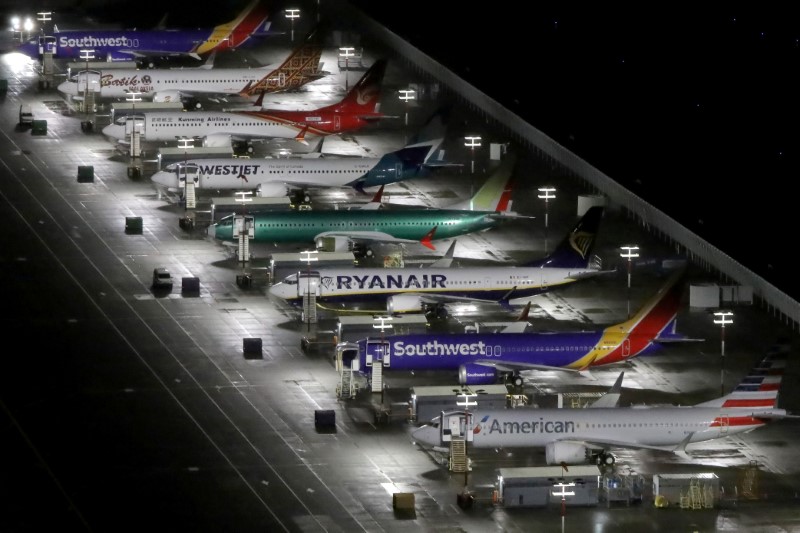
{"points": [[219, 128], [579, 436], [130, 45], [481, 358], [286, 176], [413, 290], [354, 230], [181, 84]]}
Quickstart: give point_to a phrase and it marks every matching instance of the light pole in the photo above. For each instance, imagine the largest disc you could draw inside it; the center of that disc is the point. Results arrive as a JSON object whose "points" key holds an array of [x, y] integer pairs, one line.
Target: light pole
{"points": [[292, 14], [722, 318], [346, 52], [472, 142], [405, 96], [546, 194], [629, 252], [564, 493]]}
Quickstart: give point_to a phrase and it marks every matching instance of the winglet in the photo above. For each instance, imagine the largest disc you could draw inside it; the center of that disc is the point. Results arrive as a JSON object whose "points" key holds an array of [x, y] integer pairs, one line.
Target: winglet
{"points": [[301, 136], [447, 259], [426, 240], [680, 449], [523, 316], [611, 398], [260, 100], [378, 196]]}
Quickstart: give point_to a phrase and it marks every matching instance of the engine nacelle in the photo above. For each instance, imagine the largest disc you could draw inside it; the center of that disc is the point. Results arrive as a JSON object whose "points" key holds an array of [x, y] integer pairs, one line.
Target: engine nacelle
{"points": [[167, 96], [570, 453], [472, 374], [271, 190], [217, 141], [403, 303], [332, 243]]}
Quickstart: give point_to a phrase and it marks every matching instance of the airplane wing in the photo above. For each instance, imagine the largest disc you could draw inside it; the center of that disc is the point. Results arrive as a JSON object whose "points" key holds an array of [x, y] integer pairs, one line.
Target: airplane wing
{"points": [[506, 366], [369, 237]]}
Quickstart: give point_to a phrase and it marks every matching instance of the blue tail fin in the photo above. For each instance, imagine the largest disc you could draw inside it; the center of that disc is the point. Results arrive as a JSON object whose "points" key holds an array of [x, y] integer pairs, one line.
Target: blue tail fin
{"points": [[575, 251]]}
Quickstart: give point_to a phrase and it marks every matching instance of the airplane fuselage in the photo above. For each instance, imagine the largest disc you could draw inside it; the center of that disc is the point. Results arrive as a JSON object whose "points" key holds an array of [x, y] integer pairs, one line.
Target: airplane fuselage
{"points": [[126, 45], [412, 224], [645, 426], [249, 174], [118, 83], [488, 283], [170, 126]]}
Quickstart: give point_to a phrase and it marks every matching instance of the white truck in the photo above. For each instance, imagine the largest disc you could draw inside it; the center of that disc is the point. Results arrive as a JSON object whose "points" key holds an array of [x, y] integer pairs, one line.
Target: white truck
{"points": [[25, 115]]}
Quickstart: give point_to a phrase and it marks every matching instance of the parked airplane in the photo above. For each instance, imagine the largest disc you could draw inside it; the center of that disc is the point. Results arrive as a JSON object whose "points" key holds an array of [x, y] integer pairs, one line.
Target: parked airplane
{"points": [[132, 44], [220, 128], [282, 176], [577, 436], [480, 358], [406, 290], [349, 230], [182, 84]]}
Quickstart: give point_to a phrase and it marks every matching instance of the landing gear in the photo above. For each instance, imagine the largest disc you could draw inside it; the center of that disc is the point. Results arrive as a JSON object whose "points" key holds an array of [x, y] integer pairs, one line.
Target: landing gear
{"points": [[517, 380], [605, 459], [436, 312]]}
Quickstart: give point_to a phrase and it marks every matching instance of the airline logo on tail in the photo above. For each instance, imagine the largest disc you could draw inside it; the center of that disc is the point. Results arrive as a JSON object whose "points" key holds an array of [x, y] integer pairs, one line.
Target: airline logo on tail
{"points": [[236, 32], [581, 242]]}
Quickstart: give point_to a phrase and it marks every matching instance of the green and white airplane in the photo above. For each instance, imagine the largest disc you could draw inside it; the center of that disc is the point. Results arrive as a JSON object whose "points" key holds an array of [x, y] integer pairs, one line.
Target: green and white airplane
{"points": [[357, 229]]}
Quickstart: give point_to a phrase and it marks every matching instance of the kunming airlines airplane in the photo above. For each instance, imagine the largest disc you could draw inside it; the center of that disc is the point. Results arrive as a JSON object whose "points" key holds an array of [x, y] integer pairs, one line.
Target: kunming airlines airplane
{"points": [[220, 128], [584, 435], [180, 84], [130, 45], [278, 177], [406, 290], [348, 230], [479, 358]]}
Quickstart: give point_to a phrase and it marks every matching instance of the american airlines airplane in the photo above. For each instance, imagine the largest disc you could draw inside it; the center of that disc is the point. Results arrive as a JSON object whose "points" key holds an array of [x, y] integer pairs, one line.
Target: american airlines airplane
{"points": [[481, 358], [406, 290], [132, 44], [180, 84], [219, 128], [579, 436], [282, 176]]}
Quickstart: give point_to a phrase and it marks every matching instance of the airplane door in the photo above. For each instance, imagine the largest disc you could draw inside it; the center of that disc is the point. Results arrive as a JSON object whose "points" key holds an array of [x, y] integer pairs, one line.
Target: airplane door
{"points": [[377, 351], [626, 348], [337, 123], [398, 170]]}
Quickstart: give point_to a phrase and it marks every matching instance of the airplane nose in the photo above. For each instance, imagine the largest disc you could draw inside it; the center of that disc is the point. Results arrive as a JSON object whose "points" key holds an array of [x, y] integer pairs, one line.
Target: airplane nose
{"points": [[426, 436], [68, 87], [164, 179]]}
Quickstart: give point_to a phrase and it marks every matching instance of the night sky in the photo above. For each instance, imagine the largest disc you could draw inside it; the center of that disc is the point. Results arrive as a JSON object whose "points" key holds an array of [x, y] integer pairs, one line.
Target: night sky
{"points": [[693, 109]]}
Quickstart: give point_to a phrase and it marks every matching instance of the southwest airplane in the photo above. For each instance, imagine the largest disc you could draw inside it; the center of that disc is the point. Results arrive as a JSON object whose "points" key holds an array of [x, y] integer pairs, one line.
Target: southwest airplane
{"points": [[584, 435], [180, 84], [218, 128], [347, 230], [479, 358], [406, 290], [282, 176], [130, 45]]}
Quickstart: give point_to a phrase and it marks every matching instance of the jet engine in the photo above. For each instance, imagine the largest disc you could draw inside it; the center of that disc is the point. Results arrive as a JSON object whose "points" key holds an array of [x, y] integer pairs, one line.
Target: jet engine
{"points": [[271, 190], [167, 96], [217, 141], [570, 453], [472, 374], [402, 303]]}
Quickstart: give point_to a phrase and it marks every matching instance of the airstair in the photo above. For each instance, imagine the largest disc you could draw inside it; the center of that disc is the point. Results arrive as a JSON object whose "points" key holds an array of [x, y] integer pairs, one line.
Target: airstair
{"points": [[458, 455]]}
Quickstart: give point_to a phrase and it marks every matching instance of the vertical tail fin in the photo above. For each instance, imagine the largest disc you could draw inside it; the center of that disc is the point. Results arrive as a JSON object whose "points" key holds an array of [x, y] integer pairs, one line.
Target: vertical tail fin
{"points": [[299, 68], [495, 194], [575, 251], [364, 97], [236, 32], [759, 388]]}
